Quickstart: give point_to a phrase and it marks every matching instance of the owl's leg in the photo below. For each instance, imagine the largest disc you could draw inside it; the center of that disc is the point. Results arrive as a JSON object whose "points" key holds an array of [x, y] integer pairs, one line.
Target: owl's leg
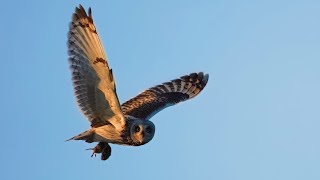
{"points": [[98, 149], [102, 147]]}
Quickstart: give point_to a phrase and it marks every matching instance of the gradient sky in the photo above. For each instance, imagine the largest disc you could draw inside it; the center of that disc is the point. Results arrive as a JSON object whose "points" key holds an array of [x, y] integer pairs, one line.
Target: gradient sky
{"points": [[257, 119]]}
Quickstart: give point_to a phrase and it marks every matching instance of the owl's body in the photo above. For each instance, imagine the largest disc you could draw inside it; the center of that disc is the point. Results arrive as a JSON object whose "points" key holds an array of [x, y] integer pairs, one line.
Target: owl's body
{"points": [[94, 85], [136, 132]]}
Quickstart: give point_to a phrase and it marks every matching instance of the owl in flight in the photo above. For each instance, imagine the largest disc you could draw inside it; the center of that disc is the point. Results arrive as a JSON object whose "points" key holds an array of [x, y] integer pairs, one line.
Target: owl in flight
{"points": [[95, 91]]}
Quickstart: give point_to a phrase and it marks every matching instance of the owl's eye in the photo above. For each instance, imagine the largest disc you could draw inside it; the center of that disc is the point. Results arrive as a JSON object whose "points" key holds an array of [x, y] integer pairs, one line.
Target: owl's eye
{"points": [[137, 129], [148, 129]]}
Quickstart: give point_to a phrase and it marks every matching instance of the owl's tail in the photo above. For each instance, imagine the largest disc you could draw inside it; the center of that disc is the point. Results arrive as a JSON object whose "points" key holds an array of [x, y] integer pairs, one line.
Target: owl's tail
{"points": [[86, 136]]}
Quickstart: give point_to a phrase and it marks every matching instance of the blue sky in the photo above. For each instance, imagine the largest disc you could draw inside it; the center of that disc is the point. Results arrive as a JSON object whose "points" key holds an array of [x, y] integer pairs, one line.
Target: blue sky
{"points": [[258, 117]]}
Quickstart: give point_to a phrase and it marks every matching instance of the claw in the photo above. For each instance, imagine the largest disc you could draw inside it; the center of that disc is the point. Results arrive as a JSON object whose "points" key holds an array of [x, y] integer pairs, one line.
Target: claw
{"points": [[94, 152]]}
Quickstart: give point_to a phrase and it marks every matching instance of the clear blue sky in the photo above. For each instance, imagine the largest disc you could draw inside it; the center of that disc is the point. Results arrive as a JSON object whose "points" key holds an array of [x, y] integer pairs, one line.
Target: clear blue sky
{"points": [[257, 119]]}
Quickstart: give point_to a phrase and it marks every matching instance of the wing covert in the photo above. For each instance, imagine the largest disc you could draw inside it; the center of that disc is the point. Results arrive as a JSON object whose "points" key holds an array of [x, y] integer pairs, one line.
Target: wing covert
{"points": [[92, 78], [156, 98]]}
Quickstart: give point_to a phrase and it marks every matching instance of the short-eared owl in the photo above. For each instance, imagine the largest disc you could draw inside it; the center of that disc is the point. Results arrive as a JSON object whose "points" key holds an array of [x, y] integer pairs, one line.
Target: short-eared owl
{"points": [[95, 90]]}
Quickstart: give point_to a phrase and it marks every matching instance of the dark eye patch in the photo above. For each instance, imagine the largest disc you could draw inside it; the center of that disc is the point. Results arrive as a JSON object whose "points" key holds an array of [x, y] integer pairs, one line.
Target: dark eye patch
{"points": [[137, 129], [148, 129]]}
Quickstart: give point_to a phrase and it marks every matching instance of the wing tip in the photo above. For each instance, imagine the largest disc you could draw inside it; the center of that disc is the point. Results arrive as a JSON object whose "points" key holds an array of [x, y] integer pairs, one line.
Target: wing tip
{"points": [[80, 12], [205, 80], [198, 83]]}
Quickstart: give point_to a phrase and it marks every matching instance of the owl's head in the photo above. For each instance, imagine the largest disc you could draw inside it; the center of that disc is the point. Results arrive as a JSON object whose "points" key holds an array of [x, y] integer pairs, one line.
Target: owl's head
{"points": [[142, 131]]}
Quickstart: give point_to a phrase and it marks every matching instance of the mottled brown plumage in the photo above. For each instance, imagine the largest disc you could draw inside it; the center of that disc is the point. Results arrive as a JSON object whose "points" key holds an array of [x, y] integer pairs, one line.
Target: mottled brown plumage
{"points": [[95, 91]]}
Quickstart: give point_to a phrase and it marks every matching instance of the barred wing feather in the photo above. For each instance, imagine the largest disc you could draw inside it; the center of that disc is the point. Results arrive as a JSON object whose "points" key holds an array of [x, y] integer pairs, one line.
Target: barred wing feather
{"points": [[153, 100], [93, 81]]}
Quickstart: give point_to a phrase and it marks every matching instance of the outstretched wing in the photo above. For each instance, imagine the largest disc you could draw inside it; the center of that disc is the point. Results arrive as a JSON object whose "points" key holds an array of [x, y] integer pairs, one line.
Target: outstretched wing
{"points": [[153, 100], [93, 81]]}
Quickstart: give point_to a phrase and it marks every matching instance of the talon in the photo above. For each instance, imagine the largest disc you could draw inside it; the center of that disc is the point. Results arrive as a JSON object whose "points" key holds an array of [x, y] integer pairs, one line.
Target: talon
{"points": [[94, 152]]}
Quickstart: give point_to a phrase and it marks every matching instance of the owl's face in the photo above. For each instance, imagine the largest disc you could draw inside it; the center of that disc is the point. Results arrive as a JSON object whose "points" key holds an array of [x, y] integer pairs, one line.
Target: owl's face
{"points": [[142, 131]]}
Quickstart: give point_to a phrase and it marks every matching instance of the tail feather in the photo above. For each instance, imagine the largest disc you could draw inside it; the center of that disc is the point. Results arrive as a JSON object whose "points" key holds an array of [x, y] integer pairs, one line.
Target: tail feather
{"points": [[86, 136]]}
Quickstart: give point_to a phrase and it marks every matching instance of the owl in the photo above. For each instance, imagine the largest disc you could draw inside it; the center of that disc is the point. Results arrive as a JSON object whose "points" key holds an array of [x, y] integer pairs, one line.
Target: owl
{"points": [[95, 91]]}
